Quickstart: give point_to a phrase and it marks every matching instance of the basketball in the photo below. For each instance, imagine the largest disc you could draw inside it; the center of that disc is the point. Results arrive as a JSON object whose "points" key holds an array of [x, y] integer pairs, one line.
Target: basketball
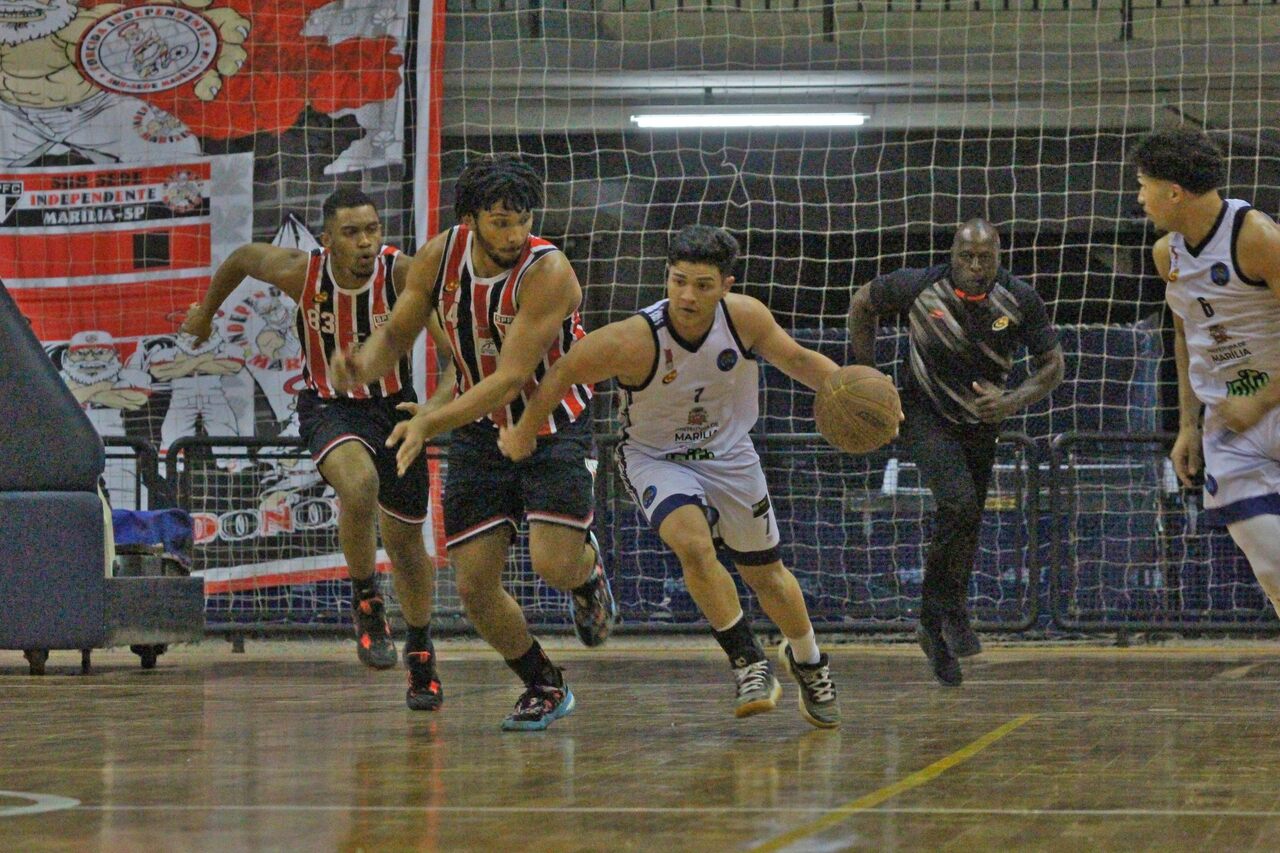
{"points": [[857, 408]]}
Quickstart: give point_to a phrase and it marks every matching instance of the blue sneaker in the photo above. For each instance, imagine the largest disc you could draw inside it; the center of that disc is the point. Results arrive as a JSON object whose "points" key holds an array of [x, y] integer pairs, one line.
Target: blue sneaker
{"points": [[538, 707], [595, 613]]}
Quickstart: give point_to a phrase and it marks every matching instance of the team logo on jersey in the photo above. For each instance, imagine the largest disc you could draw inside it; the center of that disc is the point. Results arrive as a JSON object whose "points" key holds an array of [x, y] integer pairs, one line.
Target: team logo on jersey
{"points": [[1219, 334], [697, 416], [10, 192], [451, 285], [726, 360], [321, 297], [672, 373], [1000, 324], [649, 494], [1220, 274], [670, 377]]}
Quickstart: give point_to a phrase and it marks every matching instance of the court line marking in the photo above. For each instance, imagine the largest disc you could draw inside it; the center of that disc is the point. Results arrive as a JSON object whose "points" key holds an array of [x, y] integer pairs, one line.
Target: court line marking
{"points": [[677, 810], [1237, 671], [920, 777], [39, 803]]}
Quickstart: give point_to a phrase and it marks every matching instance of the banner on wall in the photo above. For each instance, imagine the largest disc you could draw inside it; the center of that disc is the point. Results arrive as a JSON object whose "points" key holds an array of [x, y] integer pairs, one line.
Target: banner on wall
{"points": [[107, 110], [136, 82]]}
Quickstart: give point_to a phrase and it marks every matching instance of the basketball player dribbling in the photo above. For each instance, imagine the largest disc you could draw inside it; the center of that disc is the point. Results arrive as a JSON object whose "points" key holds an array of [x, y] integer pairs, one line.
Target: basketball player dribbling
{"points": [[1220, 260], [689, 378], [343, 291], [509, 304]]}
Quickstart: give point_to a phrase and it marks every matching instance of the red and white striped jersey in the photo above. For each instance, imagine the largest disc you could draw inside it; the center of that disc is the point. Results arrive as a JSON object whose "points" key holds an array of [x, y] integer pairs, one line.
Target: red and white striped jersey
{"points": [[476, 314], [330, 318]]}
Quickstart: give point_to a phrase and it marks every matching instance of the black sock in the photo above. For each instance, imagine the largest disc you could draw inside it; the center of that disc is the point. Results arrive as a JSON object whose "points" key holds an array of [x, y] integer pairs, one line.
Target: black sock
{"points": [[362, 588], [739, 643], [417, 639], [534, 667]]}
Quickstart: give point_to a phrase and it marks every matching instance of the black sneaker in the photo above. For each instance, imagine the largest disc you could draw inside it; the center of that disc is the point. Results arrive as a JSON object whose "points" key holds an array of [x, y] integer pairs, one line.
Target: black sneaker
{"points": [[425, 692], [959, 634], [595, 614], [944, 664], [373, 633], [818, 701], [538, 707]]}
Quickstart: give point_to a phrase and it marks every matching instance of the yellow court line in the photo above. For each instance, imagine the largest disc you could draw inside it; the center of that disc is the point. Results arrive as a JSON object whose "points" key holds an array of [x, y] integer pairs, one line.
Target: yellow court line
{"points": [[842, 813]]}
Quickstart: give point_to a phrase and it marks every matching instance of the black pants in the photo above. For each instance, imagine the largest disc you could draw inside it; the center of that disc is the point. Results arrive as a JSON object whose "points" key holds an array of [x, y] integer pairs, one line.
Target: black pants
{"points": [[955, 462]]}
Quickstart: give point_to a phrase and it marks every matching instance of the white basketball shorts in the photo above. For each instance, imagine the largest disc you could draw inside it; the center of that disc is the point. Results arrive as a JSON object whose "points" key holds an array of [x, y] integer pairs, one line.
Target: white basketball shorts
{"points": [[1241, 470]]}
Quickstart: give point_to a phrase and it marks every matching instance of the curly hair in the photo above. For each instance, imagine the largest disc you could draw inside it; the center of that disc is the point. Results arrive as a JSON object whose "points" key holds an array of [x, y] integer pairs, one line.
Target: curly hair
{"points": [[497, 178], [1185, 157]]}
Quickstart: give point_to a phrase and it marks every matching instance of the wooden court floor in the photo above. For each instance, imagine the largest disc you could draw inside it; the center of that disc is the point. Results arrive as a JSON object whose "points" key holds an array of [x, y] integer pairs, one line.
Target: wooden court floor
{"points": [[294, 746]]}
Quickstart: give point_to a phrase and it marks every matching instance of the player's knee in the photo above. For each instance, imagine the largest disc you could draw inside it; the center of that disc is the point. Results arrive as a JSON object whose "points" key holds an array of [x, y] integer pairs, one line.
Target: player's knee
{"points": [[358, 492], [697, 555]]}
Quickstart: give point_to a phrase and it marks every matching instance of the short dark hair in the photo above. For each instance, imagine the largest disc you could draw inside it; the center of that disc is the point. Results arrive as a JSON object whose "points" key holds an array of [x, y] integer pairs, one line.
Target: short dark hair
{"points": [[1186, 157], [344, 197], [703, 244], [497, 178]]}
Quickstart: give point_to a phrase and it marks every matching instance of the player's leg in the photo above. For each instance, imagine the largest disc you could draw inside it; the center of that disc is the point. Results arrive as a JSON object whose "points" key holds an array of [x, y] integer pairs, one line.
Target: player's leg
{"points": [[939, 457], [481, 504], [749, 528], [557, 491], [1242, 491], [403, 503], [333, 432], [1259, 538], [957, 629], [348, 467]]}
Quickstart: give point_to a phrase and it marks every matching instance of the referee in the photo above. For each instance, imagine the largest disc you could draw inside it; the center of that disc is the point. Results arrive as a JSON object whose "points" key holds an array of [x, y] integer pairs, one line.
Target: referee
{"points": [[967, 319]]}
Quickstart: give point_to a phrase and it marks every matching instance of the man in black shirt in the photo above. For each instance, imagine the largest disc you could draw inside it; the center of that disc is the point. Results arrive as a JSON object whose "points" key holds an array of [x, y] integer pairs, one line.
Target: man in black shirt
{"points": [[967, 319]]}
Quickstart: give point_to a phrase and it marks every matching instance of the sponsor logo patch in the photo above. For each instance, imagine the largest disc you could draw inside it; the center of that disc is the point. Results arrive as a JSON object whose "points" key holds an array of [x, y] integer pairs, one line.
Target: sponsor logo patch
{"points": [[726, 360], [1219, 274]]}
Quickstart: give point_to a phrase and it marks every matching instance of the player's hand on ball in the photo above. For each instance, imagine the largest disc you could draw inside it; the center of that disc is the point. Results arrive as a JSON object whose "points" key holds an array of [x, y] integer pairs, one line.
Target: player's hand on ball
{"points": [[1240, 413], [514, 445], [1186, 456], [992, 403]]}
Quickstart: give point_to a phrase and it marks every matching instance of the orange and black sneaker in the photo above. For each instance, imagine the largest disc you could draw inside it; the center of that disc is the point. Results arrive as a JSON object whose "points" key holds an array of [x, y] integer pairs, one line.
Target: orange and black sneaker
{"points": [[425, 692], [373, 633]]}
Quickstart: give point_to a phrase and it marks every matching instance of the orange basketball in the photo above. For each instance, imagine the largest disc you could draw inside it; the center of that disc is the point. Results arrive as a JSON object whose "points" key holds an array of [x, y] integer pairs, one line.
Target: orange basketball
{"points": [[857, 409]]}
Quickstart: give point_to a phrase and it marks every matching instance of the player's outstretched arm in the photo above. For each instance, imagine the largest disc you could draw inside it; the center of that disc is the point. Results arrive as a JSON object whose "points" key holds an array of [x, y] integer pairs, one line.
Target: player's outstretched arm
{"points": [[285, 268], [612, 351], [862, 327], [761, 333], [379, 353], [1258, 250]]}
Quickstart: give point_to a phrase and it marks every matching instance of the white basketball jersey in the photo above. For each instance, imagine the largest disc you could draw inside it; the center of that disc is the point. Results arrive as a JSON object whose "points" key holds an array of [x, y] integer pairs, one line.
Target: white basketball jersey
{"points": [[1232, 324], [701, 398]]}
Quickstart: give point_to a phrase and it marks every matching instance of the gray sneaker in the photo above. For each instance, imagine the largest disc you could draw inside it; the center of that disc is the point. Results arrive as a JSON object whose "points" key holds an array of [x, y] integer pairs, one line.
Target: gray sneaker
{"points": [[758, 690], [818, 703]]}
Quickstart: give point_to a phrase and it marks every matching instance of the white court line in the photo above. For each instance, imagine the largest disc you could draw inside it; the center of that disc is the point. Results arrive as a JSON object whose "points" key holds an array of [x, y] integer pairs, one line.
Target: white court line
{"points": [[677, 810], [1237, 672], [39, 803]]}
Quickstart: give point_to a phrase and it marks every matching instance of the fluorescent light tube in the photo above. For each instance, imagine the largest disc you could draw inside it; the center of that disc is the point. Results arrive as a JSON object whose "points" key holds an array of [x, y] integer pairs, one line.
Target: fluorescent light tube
{"points": [[831, 119]]}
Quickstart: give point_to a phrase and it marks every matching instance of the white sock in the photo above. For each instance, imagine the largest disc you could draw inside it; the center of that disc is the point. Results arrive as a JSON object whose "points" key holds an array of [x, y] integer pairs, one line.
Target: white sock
{"points": [[805, 649], [732, 622]]}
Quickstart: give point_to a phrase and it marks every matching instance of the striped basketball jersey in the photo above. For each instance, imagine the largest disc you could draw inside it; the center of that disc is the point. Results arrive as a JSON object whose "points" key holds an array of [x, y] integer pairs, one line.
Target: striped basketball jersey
{"points": [[477, 312], [330, 318], [1232, 323], [701, 398]]}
